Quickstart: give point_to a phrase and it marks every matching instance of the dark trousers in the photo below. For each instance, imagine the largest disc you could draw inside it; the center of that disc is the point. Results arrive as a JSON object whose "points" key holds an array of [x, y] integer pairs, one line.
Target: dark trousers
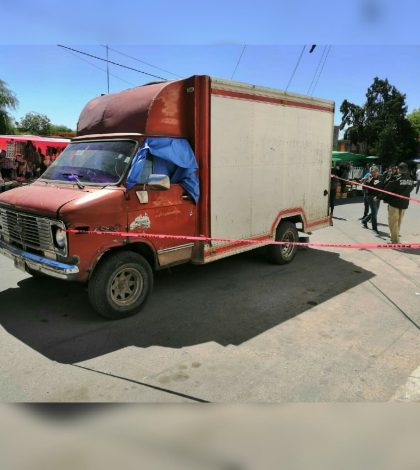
{"points": [[332, 200], [374, 207], [417, 186], [366, 203]]}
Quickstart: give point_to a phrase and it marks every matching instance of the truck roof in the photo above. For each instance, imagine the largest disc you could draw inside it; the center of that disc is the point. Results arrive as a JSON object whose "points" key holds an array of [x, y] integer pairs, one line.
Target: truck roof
{"points": [[113, 135], [168, 108], [246, 88], [149, 109]]}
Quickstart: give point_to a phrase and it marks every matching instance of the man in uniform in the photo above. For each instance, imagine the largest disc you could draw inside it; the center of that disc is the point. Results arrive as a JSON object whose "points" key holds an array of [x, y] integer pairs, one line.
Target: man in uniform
{"points": [[402, 185]]}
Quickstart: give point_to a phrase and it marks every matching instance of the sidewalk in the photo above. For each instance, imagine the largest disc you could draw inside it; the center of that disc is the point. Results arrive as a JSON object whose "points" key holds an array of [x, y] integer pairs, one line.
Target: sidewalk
{"points": [[405, 263]]}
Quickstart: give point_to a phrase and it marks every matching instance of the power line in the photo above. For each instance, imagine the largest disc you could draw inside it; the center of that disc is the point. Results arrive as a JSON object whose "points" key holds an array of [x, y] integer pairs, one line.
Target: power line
{"points": [[100, 68], [296, 66], [317, 69], [144, 62], [111, 62], [237, 64], [322, 68]]}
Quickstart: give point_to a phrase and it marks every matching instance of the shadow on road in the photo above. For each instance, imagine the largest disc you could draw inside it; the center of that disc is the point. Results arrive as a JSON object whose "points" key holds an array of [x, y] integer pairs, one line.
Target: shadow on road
{"points": [[350, 200], [228, 302], [409, 251]]}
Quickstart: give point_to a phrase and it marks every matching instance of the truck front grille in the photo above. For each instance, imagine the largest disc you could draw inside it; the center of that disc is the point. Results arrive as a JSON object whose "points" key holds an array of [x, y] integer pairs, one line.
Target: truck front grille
{"points": [[26, 231]]}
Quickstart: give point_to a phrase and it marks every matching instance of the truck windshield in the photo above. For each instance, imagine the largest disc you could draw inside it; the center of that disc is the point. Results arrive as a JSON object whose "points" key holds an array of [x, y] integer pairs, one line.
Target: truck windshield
{"points": [[100, 162]]}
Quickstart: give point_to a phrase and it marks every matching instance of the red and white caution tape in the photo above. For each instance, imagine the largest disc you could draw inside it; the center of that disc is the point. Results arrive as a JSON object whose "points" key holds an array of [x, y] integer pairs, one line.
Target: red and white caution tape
{"points": [[359, 246], [363, 246]]}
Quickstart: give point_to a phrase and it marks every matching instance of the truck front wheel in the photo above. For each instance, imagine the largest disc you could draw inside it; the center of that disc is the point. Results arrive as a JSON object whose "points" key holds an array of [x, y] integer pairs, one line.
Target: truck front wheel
{"points": [[120, 285], [283, 254]]}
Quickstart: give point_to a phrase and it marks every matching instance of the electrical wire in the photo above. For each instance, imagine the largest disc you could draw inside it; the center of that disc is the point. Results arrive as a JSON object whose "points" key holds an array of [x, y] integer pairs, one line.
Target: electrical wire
{"points": [[100, 68], [237, 64], [317, 69], [296, 66], [322, 68], [111, 62], [144, 62]]}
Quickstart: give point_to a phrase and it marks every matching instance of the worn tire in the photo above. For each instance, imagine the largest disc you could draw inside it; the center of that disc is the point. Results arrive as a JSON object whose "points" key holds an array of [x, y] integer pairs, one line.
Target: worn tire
{"points": [[120, 285], [283, 254]]}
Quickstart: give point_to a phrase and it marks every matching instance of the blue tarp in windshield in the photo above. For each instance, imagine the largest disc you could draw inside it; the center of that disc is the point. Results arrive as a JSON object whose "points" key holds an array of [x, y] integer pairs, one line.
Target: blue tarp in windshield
{"points": [[175, 158]]}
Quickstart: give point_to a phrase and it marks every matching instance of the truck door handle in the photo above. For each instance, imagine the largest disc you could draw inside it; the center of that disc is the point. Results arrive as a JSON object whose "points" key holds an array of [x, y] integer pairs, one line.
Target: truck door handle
{"points": [[185, 196]]}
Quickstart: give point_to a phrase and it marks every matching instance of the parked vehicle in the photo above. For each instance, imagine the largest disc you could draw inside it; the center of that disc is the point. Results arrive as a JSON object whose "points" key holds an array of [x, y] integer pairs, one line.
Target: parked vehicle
{"points": [[194, 157]]}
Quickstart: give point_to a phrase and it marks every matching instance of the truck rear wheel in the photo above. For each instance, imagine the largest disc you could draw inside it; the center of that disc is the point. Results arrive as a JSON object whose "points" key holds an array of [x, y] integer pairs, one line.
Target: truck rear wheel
{"points": [[283, 254], [120, 285]]}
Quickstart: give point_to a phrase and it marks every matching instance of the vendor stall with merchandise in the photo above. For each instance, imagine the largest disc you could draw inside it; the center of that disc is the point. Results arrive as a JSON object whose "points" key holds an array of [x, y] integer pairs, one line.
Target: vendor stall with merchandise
{"points": [[25, 157]]}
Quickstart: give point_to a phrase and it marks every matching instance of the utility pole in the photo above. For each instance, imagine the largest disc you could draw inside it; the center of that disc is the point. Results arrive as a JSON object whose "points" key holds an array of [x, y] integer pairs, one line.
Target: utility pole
{"points": [[107, 67]]}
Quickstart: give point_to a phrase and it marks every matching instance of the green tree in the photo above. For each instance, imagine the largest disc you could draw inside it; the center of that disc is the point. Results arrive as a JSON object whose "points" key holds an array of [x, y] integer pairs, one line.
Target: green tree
{"points": [[353, 119], [380, 127], [414, 118], [60, 128], [8, 101], [35, 123]]}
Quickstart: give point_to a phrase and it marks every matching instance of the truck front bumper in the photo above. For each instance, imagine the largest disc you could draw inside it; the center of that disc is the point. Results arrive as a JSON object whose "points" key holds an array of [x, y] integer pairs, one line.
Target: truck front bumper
{"points": [[24, 261]]}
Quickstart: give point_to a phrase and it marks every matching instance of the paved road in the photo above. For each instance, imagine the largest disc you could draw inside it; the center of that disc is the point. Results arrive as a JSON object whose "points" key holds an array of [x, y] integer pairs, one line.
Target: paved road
{"points": [[335, 325]]}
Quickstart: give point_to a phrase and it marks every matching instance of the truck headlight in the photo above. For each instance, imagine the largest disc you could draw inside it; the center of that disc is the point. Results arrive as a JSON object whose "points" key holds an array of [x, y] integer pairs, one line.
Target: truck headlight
{"points": [[60, 237]]}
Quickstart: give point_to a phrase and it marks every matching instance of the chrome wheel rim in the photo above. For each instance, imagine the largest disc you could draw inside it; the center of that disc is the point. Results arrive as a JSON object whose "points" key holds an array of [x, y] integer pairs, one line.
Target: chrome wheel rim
{"points": [[126, 287], [287, 250]]}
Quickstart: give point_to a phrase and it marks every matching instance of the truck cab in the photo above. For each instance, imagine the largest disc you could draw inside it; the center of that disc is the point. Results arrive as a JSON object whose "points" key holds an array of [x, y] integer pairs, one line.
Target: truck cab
{"points": [[81, 220]]}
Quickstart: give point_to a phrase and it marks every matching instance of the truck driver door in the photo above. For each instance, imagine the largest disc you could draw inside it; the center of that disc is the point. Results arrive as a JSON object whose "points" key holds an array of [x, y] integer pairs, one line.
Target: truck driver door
{"points": [[164, 212]]}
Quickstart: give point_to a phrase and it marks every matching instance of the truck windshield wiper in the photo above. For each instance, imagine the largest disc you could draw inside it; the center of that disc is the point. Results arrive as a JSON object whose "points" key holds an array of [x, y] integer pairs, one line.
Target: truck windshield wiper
{"points": [[75, 176]]}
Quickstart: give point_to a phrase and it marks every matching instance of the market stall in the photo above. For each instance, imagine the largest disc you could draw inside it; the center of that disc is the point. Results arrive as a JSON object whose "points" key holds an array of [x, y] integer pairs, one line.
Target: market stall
{"points": [[25, 157], [351, 166]]}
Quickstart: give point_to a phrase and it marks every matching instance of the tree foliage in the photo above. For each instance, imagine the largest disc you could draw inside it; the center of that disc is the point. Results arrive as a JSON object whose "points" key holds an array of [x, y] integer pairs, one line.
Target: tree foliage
{"points": [[8, 101], [380, 126], [60, 128], [35, 123], [414, 118]]}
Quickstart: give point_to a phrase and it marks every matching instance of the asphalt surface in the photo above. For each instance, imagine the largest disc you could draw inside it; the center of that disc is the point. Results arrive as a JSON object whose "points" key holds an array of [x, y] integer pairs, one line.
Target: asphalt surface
{"points": [[334, 325]]}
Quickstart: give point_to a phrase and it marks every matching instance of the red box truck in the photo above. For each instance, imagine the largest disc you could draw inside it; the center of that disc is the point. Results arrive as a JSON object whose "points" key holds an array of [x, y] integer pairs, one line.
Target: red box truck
{"points": [[199, 156]]}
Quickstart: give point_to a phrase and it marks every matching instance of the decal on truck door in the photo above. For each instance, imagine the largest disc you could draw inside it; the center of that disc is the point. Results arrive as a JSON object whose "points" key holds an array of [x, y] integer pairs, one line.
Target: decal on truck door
{"points": [[142, 221]]}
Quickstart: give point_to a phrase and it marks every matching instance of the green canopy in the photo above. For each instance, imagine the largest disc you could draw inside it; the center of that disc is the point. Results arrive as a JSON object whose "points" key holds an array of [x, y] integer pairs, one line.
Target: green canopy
{"points": [[350, 157]]}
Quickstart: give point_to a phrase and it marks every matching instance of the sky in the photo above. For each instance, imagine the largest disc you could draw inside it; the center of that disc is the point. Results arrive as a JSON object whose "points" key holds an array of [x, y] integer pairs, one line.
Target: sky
{"points": [[252, 42]]}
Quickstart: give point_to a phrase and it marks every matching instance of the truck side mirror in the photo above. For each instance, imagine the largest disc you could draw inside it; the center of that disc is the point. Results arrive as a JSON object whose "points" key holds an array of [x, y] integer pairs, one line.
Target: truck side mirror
{"points": [[158, 182]]}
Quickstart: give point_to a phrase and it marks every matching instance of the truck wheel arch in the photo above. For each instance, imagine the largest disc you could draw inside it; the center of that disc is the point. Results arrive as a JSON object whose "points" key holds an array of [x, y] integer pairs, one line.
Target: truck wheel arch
{"points": [[296, 216], [141, 248]]}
